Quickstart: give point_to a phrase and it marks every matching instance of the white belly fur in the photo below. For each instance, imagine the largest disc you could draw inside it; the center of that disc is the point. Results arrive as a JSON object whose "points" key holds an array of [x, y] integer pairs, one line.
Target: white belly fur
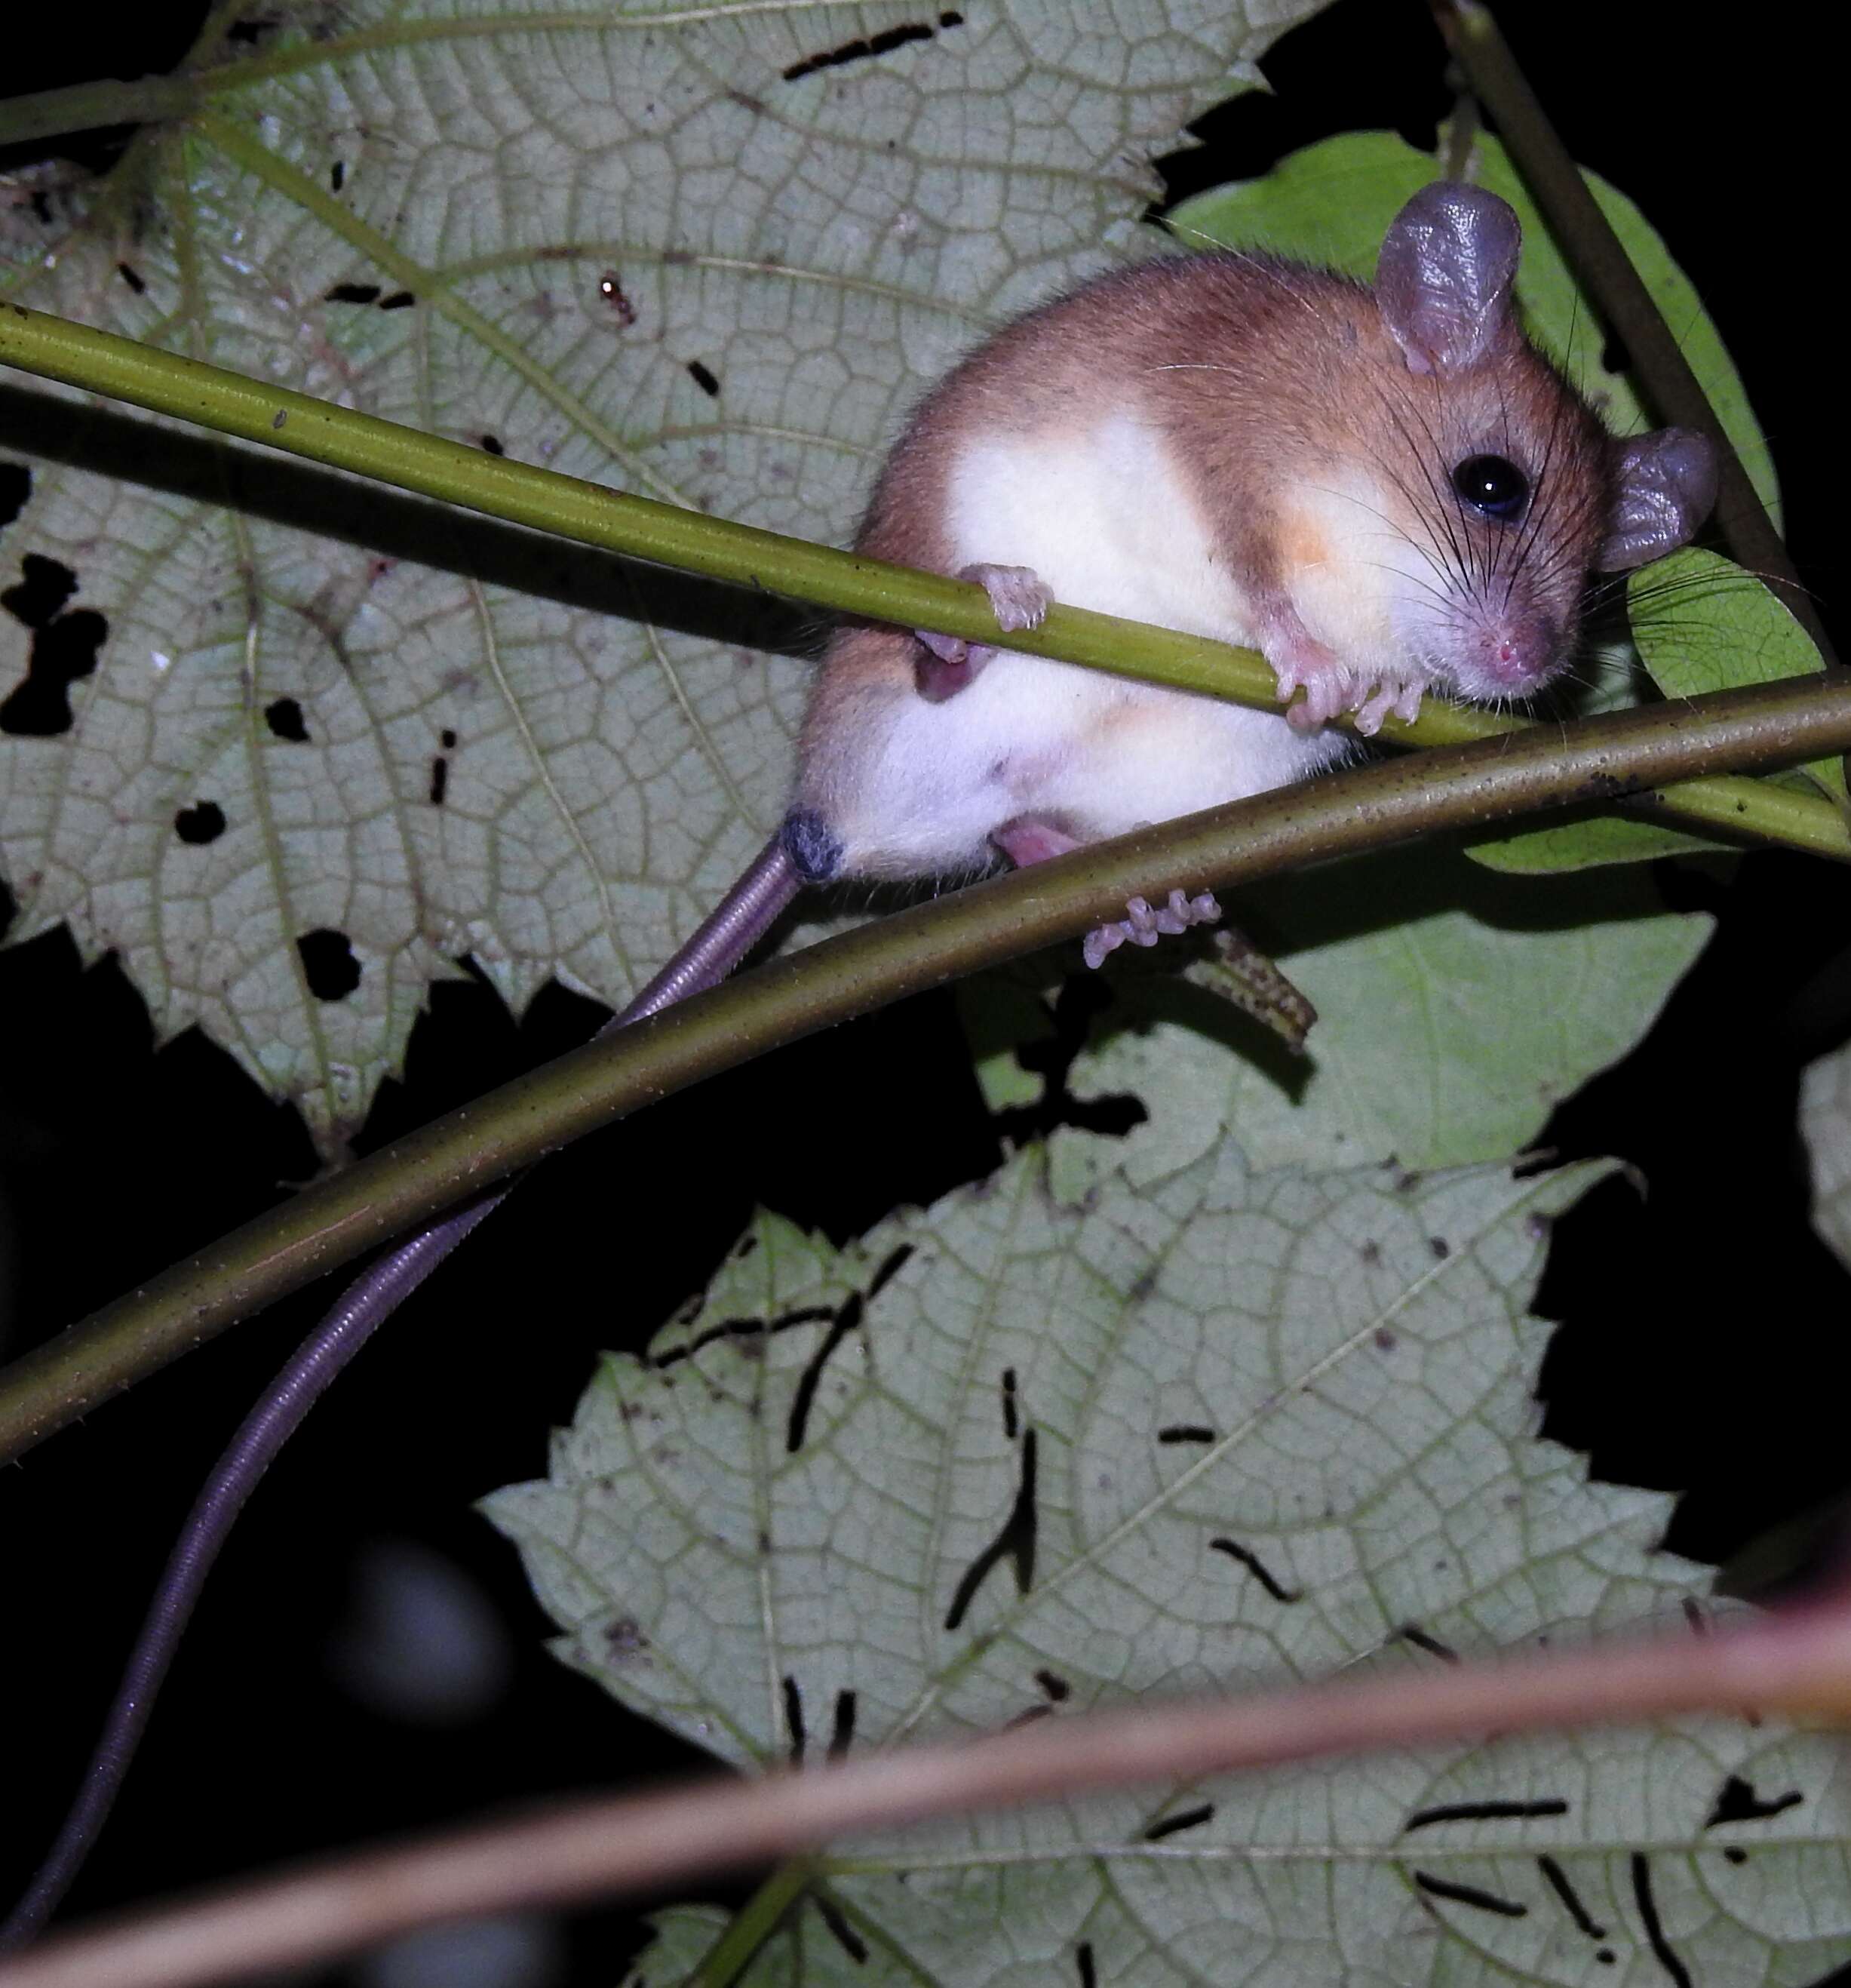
{"points": [[1102, 754]]}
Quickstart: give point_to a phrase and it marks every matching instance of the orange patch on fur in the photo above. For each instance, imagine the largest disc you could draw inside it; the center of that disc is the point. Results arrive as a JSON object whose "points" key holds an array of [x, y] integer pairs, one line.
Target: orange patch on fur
{"points": [[1301, 543]]}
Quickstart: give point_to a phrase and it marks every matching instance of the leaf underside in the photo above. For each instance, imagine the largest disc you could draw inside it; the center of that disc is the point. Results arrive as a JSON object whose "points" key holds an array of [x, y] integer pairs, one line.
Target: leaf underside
{"points": [[1009, 1458], [290, 759]]}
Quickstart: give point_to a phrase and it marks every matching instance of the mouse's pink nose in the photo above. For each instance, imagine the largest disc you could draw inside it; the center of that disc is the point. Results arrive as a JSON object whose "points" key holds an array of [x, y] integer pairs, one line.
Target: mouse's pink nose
{"points": [[1517, 651]]}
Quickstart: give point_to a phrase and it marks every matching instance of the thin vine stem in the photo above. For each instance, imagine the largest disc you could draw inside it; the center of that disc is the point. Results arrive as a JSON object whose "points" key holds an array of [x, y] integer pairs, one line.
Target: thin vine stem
{"points": [[1597, 762], [1798, 1662], [755, 1922]]}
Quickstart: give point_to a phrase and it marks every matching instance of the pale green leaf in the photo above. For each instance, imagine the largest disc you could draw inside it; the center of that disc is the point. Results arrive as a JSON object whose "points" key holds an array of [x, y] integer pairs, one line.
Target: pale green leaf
{"points": [[1825, 1125], [1454, 1013], [1008, 1458], [815, 242], [1703, 624], [1609, 679], [1593, 843]]}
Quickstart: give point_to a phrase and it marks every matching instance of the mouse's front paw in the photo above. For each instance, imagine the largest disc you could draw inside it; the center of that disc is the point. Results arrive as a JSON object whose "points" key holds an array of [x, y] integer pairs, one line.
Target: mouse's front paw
{"points": [[1330, 684], [1016, 594]]}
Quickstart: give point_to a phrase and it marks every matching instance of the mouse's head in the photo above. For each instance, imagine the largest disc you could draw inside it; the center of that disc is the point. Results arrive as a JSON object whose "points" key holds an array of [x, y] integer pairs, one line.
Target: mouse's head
{"points": [[1504, 490]]}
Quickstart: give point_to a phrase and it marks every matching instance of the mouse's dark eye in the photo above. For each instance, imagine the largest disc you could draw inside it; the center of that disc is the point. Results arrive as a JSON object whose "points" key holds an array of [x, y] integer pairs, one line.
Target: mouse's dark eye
{"points": [[1493, 486]]}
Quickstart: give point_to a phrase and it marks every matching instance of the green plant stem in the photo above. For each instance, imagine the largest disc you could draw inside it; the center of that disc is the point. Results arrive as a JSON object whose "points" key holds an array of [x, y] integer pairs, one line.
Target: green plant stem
{"points": [[1629, 753], [753, 1925], [91, 106], [1588, 240], [518, 493]]}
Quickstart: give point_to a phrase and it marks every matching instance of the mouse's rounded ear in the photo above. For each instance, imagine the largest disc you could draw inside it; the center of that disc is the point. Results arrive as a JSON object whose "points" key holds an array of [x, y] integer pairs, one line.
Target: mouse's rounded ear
{"points": [[1664, 486], [1443, 277]]}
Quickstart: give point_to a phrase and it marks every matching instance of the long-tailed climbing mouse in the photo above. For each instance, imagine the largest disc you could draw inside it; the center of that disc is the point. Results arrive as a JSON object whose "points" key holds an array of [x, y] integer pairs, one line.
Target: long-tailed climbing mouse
{"points": [[1383, 490]]}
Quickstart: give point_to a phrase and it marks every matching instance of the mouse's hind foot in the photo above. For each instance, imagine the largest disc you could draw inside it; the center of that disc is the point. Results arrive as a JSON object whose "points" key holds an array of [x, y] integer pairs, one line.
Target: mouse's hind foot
{"points": [[1144, 924], [1029, 840]]}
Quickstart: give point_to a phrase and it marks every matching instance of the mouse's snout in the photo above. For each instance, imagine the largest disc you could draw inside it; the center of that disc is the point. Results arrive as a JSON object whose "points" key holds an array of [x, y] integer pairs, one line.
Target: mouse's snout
{"points": [[1493, 650]]}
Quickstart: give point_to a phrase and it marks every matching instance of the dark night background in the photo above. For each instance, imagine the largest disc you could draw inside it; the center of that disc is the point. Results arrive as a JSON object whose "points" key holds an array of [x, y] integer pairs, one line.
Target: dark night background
{"points": [[1703, 1346]]}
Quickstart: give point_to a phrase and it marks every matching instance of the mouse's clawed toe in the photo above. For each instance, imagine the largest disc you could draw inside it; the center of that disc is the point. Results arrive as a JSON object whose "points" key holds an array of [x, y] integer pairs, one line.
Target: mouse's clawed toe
{"points": [[1398, 696], [1144, 924], [1017, 593]]}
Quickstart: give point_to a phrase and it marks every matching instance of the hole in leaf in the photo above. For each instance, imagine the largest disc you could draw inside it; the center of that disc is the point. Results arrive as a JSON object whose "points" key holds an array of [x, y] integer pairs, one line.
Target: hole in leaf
{"points": [[1482, 1812], [337, 174], [793, 1718], [203, 822], [284, 718], [889, 1269], [1083, 1959], [1412, 1632], [872, 45], [742, 1328], [1471, 1894], [1075, 1007], [1560, 1884], [136, 281], [1736, 1801], [494, 446], [843, 1736], [446, 738], [804, 1399], [1665, 1953], [1008, 1403], [62, 652], [1015, 1543], [328, 964], [45, 585], [1257, 1567], [703, 378], [399, 300], [440, 779], [16, 487], [1186, 1432], [354, 293], [1172, 1825], [1054, 1685]]}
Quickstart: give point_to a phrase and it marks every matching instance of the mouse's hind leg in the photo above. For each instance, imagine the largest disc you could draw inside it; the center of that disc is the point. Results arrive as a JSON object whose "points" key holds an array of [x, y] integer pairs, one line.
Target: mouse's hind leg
{"points": [[1029, 840], [951, 664]]}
